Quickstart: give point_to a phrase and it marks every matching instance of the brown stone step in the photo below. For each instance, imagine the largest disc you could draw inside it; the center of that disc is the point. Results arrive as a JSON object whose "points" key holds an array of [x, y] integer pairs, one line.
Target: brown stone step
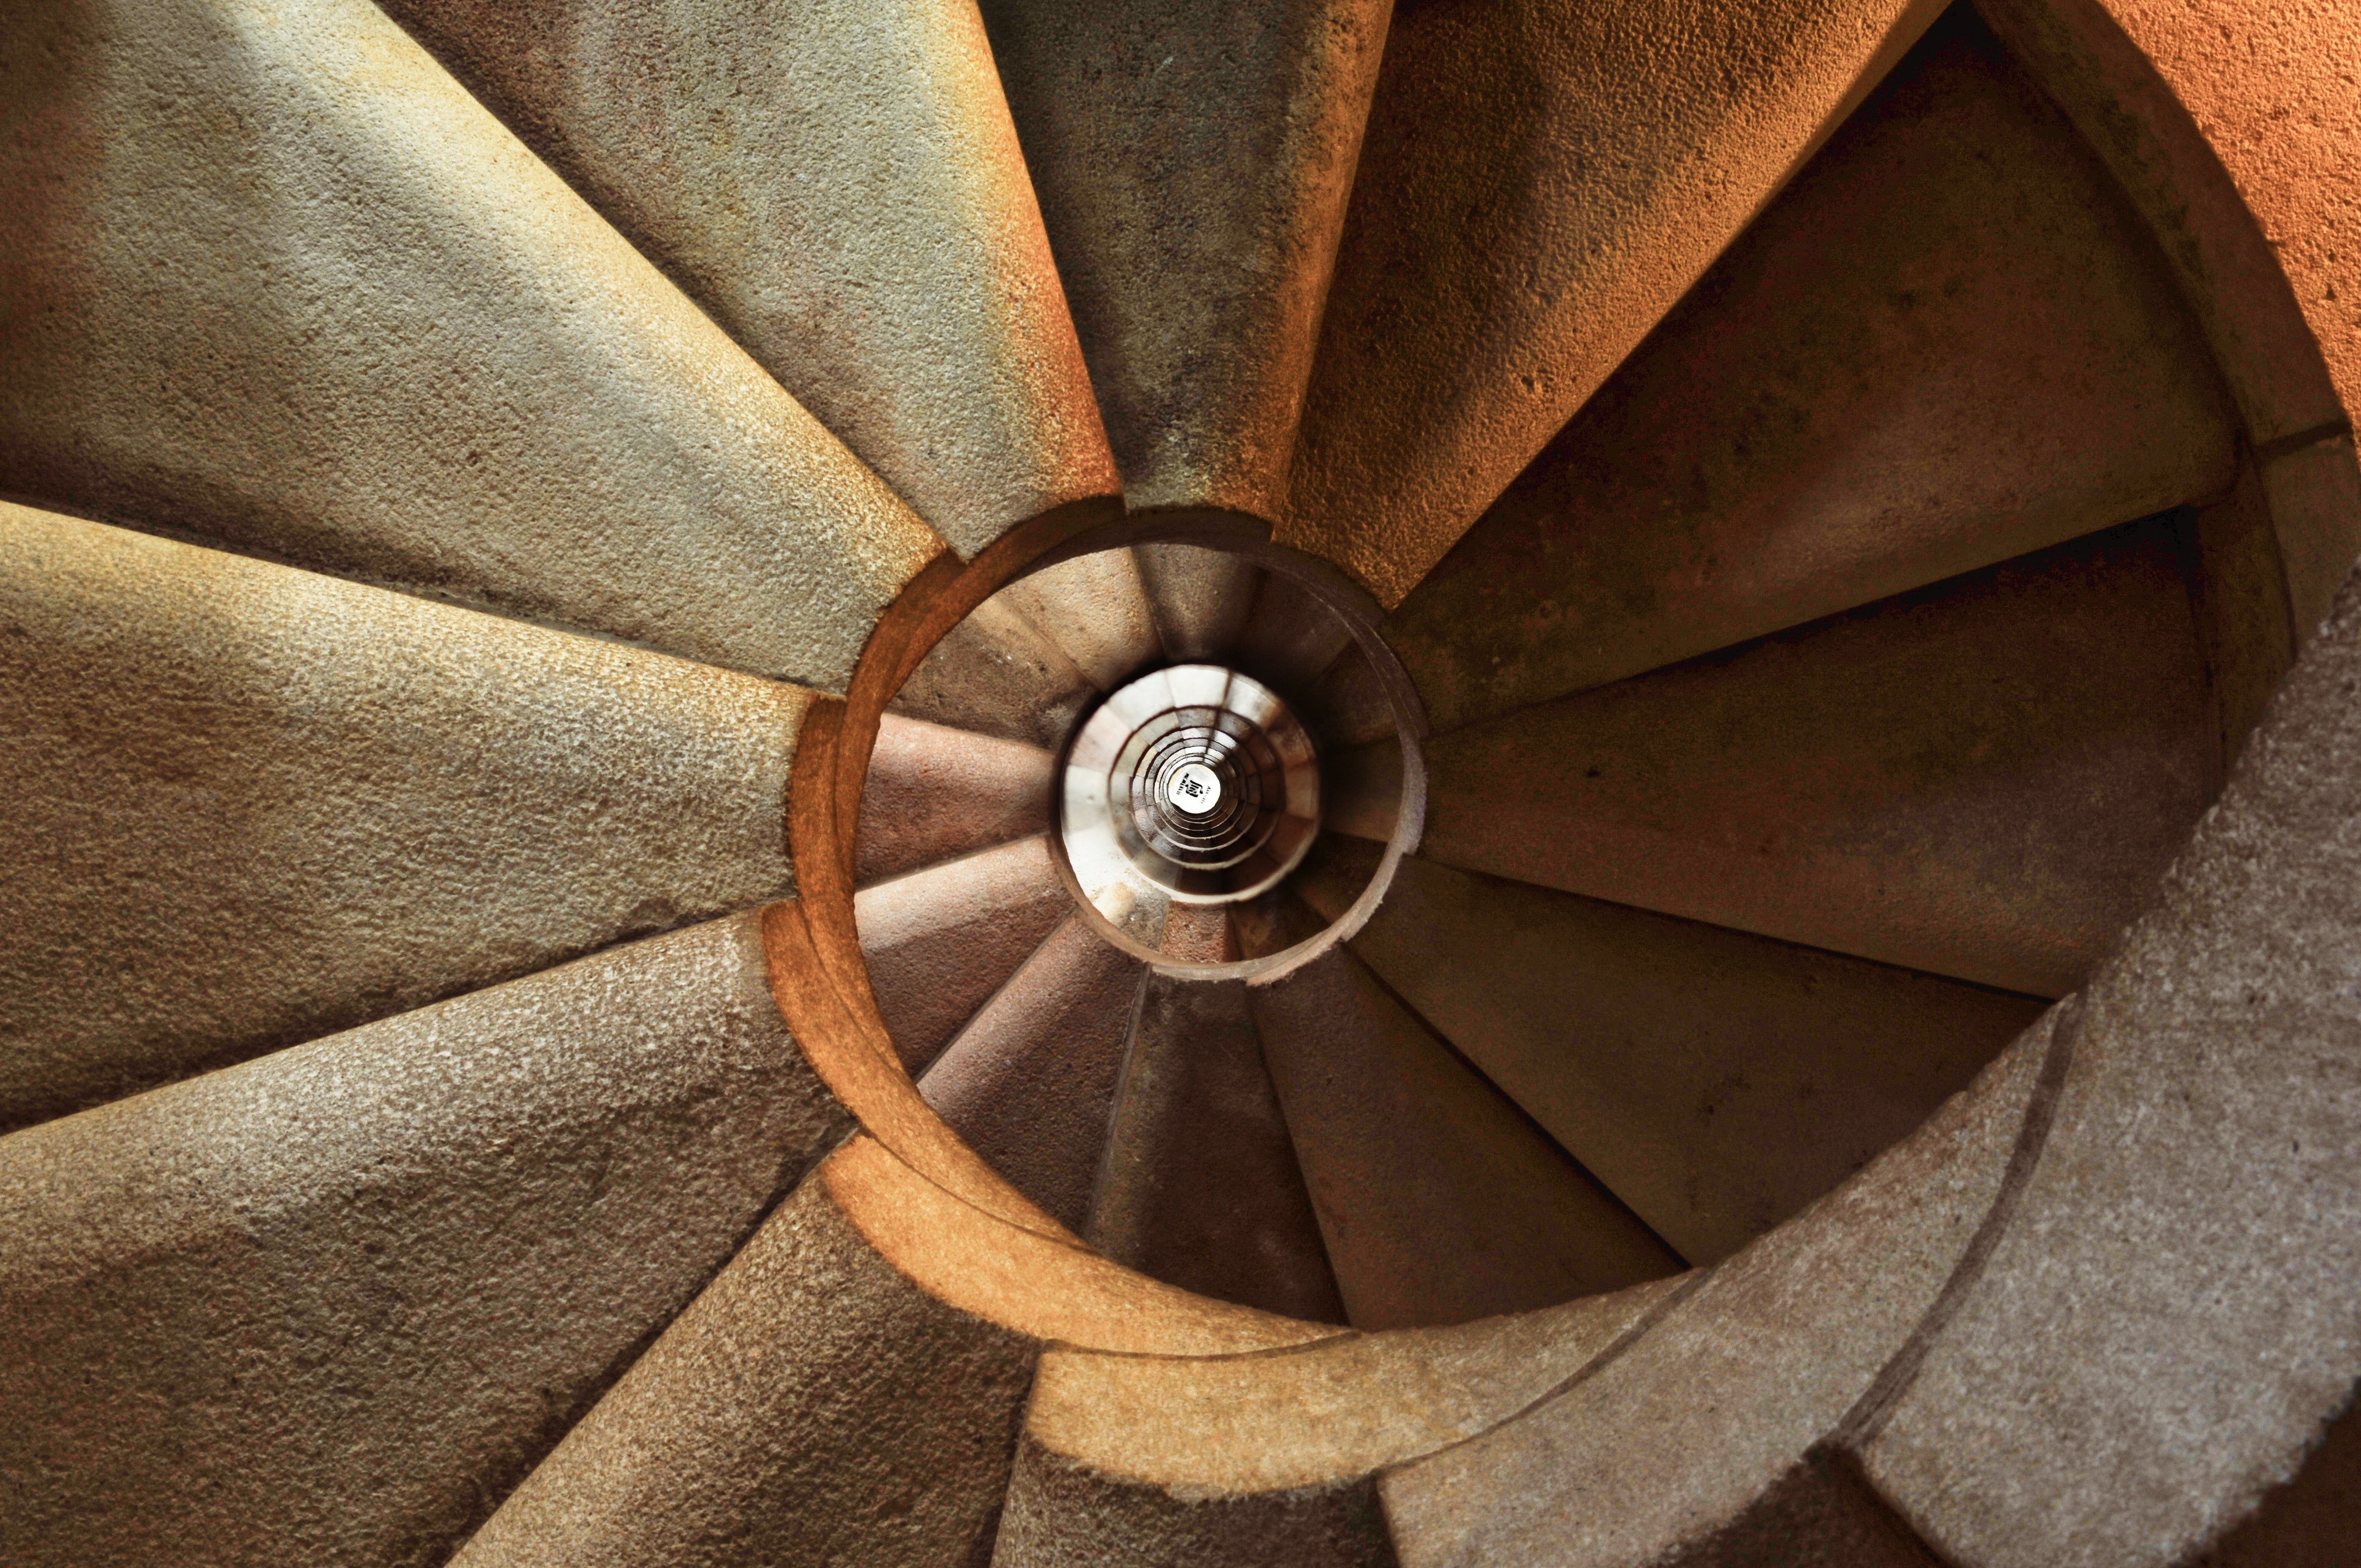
{"points": [[934, 793], [1193, 161], [1950, 342], [1202, 597], [329, 1306], [997, 673], [401, 348], [250, 805]]}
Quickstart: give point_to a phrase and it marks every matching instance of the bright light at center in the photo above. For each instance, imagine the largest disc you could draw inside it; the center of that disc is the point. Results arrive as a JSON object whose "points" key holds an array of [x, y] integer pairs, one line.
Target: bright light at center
{"points": [[1192, 787]]}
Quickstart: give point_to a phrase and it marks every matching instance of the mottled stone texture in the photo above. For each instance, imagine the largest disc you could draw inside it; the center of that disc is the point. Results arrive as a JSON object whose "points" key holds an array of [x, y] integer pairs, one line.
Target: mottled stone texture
{"points": [[1950, 341], [839, 185], [249, 805], [934, 793], [328, 1306], [1193, 160], [1540, 180], [2175, 1312], [997, 673], [812, 1406], [276, 279]]}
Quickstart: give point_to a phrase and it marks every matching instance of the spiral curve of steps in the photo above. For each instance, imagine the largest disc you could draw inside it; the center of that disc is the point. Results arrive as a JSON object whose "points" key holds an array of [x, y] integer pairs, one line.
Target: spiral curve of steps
{"points": [[1726, 932]]}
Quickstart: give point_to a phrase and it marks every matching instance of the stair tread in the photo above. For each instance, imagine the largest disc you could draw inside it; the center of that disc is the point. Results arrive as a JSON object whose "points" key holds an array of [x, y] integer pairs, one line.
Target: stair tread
{"points": [[404, 350], [934, 793], [253, 805]]}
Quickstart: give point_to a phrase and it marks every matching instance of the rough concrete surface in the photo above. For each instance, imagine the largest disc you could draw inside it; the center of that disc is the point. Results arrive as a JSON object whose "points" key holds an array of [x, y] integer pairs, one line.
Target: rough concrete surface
{"points": [[249, 805], [329, 1306], [812, 1406], [1438, 1199], [1950, 341], [1984, 779], [934, 793], [278, 280], [1715, 1082], [941, 941], [1193, 161], [1029, 1082], [839, 187], [1539, 183]]}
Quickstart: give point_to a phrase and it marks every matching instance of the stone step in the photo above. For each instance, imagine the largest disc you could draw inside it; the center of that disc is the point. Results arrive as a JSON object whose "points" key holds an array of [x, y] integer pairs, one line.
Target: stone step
{"points": [[402, 348], [940, 942], [1540, 183], [1717, 1081], [935, 793], [251, 806], [1984, 779], [1193, 160], [329, 1306], [1950, 342], [1200, 1187]]}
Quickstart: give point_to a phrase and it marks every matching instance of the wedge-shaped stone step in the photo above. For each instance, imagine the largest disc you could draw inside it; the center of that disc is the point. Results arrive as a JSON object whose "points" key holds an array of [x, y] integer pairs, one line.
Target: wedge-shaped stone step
{"points": [[997, 673], [1540, 182], [1439, 1201], [934, 793], [1094, 609], [1202, 598], [841, 190], [1030, 1081], [1200, 1187], [329, 1306], [1982, 779], [1193, 162], [303, 294], [1948, 343], [940, 942], [848, 1390], [1715, 1081], [250, 805]]}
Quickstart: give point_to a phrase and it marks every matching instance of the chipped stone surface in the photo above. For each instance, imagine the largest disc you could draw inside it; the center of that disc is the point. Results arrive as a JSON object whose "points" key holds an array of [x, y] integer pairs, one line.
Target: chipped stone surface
{"points": [[250, 805], [399, 347], [2176, 1311], [328, 1306]]}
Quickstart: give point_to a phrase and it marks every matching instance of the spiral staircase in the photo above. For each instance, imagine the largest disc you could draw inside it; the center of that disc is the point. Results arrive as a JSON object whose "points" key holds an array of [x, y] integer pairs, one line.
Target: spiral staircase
{"points": [[1476, 782]]}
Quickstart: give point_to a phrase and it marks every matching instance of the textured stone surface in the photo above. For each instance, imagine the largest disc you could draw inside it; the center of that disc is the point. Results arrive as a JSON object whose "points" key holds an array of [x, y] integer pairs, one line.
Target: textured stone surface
{"points": [[329, 1306], [399, 348], [1950, 341], [1030, 1081], [2176, 1311], [997, 673], [1201, 1187], [1678, 1440], [1096, 610], [1715, 1082], [1193, 161], [838, 186], [1982, 779], [249, 806], [940, 942], [1439, 1201], [1540, 182], [812, 1406], [936, 793], [1202, 597]]}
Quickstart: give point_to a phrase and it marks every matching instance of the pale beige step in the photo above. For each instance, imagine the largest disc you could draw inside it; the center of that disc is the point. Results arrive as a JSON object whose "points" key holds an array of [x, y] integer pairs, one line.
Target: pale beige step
{"points": [[939, 942], [843, 191], [1674, 1450], [1982, 780], [1950, 341], [399, 347], [1193, 162], [848, 1390], [1029, 1082], [1438, 1199], [1200, 1187], [1094, 609], [934, 793], [997, 673], [251, 804], [1202, 597], [329, 1306], [1541, 180], [1715, 1081]]}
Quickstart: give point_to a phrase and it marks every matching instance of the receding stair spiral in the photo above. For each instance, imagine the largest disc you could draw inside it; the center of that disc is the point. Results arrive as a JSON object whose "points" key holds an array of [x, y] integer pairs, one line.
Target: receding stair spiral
{"points": [[1483, 782]]}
